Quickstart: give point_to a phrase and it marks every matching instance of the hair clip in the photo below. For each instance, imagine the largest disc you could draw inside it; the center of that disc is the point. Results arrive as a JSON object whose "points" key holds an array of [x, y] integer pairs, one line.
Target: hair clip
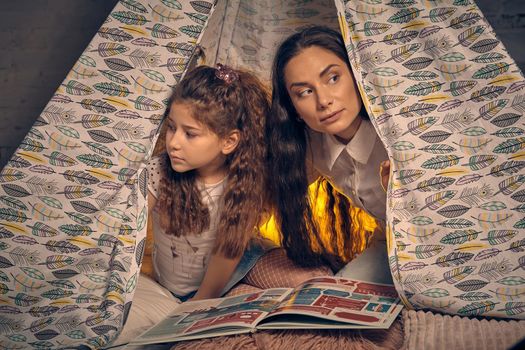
{"points": [[226, 73]]}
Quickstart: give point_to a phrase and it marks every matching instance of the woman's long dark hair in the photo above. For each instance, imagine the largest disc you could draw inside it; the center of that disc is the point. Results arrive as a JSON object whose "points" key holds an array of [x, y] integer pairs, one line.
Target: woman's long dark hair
{"points": [[288, 139]]}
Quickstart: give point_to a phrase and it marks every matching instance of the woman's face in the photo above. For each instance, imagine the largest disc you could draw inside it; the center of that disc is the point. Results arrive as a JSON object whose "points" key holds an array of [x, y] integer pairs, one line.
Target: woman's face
{"points": [[323, 92]]}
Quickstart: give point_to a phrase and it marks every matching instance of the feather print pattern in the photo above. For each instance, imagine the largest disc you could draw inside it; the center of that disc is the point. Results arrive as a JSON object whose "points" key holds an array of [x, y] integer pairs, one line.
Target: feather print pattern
{"points": [[87, 147], [70, 244], [454, 100]]}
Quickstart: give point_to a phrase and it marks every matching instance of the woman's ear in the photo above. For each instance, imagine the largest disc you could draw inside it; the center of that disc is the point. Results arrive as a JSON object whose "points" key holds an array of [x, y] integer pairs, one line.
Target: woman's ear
{"points": [[231, 141]]}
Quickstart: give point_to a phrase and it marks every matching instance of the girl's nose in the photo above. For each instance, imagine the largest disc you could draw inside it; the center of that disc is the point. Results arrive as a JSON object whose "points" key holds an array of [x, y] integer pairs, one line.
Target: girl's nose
{"points": [[173, 141]]}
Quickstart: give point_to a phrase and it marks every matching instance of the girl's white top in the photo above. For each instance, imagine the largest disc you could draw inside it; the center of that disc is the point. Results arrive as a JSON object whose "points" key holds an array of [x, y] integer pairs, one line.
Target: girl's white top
{"points": [[353, 168], [180, 262]]}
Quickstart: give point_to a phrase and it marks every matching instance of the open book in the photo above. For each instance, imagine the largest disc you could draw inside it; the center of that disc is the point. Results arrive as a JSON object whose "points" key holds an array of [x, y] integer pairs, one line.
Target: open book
{"points": [[318, 303]]}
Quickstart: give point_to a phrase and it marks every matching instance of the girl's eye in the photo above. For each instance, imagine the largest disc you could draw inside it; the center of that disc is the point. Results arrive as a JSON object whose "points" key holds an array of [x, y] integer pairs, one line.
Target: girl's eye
{"points": [[190, 135]]}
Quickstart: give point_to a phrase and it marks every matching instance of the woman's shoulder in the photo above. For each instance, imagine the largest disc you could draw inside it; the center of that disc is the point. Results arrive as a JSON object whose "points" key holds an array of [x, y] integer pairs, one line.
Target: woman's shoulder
{"points": [[316, 153]]}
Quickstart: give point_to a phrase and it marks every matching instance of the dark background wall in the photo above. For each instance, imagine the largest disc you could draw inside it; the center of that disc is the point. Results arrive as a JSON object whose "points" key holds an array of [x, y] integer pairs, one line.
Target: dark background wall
{"points": [[40, 40]]}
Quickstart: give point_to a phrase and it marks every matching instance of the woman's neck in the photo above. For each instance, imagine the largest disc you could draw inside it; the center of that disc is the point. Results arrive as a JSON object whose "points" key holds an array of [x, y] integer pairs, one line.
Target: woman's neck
{"points": [[348, 134]]}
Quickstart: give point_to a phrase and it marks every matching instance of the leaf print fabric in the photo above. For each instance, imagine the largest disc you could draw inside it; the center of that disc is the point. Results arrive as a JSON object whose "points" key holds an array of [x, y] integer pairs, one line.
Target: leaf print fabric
{"points": [[447, 101], [72, 198], [251, 30], [442, 92]]}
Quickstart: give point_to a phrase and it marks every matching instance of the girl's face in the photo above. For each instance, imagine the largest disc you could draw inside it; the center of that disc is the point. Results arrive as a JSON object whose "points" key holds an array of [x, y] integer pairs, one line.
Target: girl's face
{"points": [[323, 92], [191, 145]]}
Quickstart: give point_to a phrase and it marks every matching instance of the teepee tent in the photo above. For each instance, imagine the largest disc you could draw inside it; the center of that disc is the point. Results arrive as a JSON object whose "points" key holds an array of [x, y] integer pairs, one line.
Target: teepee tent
{"points": [[442, 93]]}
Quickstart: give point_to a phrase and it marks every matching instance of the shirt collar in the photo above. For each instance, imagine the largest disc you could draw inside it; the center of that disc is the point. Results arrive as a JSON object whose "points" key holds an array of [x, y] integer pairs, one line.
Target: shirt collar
{"points": [[359, 148]]}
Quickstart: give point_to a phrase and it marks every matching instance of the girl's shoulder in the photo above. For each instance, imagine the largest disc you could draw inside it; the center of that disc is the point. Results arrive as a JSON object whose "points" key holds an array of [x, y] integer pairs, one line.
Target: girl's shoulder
{"points": [[154, 163], [154, 173]]}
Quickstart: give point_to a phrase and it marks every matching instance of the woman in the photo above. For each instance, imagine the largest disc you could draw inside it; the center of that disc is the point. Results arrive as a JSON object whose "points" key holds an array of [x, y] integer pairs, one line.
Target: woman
{"points": [[318, 120]]}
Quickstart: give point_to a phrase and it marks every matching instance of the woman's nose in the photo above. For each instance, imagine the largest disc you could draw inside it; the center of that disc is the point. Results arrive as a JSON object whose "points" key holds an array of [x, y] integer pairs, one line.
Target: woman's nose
{"points": [[324, 99]]}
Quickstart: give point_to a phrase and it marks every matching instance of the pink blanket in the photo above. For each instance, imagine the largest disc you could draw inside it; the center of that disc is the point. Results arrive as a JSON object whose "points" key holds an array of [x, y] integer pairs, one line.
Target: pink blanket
{"points": [[414, 330]]}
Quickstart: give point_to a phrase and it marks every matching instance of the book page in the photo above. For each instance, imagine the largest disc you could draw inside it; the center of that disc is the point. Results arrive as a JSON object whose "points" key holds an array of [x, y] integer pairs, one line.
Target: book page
{"points": [[342, 301], [212, 317]]}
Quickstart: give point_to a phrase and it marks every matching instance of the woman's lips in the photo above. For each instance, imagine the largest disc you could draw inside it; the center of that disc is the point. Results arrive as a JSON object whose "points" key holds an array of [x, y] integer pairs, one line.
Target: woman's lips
{"points": [[331, 117]]}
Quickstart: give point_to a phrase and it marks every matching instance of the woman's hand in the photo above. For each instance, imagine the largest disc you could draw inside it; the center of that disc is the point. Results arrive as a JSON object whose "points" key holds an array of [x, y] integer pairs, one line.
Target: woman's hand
{"points": [[384, 173]]}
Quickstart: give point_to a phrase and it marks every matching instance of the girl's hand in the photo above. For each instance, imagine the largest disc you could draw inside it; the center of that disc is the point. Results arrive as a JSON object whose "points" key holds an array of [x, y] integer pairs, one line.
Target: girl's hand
{"points": [[384, 173], [218, 274]]}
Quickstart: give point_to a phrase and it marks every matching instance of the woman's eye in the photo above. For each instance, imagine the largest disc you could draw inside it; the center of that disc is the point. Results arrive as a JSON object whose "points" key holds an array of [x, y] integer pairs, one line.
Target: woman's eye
{"points": [[304, 92], [334, 78], [190, 135]]}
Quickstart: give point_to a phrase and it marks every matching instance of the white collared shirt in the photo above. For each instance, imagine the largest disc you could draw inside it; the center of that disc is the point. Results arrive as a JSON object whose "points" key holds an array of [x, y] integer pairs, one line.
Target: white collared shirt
{"points": [[353, 168]]}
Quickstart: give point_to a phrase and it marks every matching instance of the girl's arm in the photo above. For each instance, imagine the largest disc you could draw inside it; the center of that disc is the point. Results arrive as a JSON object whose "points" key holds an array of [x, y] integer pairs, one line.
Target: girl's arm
{"points": [[151, 202], [220, 269], [147, 260]]}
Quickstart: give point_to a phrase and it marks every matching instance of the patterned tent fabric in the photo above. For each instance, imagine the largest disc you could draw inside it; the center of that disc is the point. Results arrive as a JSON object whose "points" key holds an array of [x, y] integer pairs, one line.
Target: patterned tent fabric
{"points": [[447, 100], [72, 198], [251, 30], [442, 92]]}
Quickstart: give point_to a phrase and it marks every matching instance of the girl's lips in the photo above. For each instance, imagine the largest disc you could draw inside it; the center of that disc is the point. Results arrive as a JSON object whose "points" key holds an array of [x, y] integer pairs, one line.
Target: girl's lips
{"points": [[176, 159], [331, 117]]}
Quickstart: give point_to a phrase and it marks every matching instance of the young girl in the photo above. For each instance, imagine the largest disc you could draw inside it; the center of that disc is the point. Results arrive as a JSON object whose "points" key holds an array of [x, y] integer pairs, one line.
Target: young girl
{"points": [[206, 189], [318, 121]]}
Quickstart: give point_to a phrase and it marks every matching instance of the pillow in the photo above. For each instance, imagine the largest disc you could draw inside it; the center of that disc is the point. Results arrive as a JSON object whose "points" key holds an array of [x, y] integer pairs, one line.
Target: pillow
{"points": [[151, 303]]}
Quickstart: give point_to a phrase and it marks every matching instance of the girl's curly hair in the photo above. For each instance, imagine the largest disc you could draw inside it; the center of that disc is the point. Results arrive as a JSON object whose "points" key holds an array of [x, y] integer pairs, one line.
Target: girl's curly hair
{"points": [[222, 106]]}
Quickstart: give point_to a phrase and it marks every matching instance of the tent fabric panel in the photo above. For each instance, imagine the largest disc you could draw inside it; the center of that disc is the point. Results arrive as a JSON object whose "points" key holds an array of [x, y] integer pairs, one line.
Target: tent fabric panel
{"points": [[447, 100], [251, 30], [73, 206]]}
